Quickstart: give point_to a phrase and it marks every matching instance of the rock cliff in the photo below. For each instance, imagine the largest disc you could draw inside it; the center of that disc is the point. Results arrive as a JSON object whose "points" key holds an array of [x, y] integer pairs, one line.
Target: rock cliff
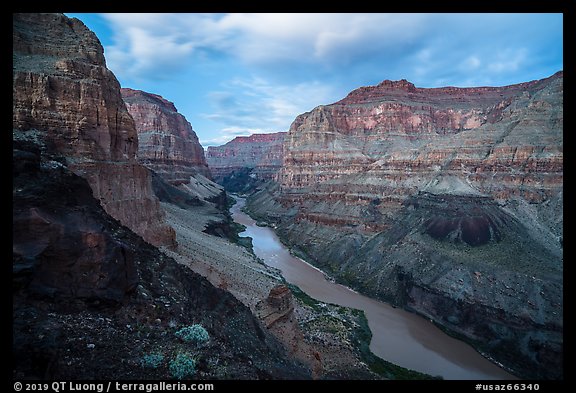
{"points": [[246, 159], [64, 95], [447, 201], [504, 141], [167, 144], [90, 298]]}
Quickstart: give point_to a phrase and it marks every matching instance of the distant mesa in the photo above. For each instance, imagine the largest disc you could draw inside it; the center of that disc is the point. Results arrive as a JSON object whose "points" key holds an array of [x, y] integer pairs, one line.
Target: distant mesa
{"points": [[246, 159]]}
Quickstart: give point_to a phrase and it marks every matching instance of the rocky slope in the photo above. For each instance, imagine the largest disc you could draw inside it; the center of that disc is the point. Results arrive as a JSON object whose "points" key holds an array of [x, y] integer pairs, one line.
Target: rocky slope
{"points": [[167, 144], [92, 299], [446, 201], [64, 95], [246, 160]]}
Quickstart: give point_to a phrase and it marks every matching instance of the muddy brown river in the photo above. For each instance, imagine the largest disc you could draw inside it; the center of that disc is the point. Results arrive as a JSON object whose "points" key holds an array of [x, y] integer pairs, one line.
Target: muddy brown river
{"points": [[398, 336]]}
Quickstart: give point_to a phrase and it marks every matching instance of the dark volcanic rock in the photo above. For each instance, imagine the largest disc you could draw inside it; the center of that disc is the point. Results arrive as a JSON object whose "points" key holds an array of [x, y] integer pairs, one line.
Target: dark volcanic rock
{"points": [[445, 201], [59, 247], [461, 219]]}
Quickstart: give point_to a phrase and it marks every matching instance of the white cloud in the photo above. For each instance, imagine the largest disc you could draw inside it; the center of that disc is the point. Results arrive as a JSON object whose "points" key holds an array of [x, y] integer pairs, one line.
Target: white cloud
{"points": [[154, 45], [147, 52], [228, 133], [145, 44], [256, 103], [471, 63], [317, 37], [429, 45], [262, 70], [508, 60]]}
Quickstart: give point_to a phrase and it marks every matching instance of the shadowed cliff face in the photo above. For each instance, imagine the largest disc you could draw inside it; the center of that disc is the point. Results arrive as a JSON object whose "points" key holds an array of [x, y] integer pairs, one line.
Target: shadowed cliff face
{"points": [[59, 245], [446, 201], [91, 299], [64, 94], [167, 144]]}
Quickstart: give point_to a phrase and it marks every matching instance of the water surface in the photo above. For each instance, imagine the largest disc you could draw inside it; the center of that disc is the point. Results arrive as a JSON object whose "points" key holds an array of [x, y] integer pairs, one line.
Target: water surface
{"points": [[398, 336]]}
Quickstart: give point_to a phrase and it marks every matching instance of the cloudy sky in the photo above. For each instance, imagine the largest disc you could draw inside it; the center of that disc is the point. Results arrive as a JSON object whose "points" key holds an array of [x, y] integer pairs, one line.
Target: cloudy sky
{"points": [[238, 74]]}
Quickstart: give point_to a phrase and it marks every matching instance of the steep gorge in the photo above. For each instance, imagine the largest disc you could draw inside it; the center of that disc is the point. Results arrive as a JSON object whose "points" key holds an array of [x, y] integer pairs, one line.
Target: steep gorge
{"points": [[246, 161], [91, 298], [445, 201], [169, 147]]}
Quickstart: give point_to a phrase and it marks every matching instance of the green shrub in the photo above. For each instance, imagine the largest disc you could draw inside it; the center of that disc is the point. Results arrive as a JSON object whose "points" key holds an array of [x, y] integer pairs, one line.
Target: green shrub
{"points": [[194, 334], [182, 366], [152, 360]]}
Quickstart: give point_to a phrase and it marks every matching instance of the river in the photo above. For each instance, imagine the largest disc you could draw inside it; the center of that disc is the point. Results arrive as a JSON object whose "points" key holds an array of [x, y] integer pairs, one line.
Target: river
{"points": [[398, 336]]}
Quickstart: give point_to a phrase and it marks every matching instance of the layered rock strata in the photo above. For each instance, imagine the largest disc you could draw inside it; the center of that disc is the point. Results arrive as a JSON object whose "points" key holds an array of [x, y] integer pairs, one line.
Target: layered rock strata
{"points": [[92, 300], [64, 95], [505, 141], [167, 144], [246, 158], [446, 201]]}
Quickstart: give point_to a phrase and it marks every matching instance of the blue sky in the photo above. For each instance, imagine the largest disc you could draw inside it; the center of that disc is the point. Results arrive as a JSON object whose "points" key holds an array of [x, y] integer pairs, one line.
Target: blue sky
{"points": [[238, 74]]}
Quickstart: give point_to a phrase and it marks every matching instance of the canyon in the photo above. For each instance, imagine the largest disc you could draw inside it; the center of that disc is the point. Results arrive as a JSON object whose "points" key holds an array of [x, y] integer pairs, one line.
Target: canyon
{"points": [[118, 244], [93, 295], [169, 147], [445, 201], [65, 98], [244, 162]]}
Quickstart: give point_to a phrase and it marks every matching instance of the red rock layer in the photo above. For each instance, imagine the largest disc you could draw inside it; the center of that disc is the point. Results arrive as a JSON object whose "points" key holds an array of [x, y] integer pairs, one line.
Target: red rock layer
{"points": [[262, 152], [167, 144], [388, 141], [64, 95]]}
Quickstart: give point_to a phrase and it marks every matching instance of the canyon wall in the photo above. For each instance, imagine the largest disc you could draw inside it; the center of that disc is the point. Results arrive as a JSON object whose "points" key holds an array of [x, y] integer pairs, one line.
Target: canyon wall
{"points": [[91, 299], [65, 98], [167, 144], [503, 141], [446, 201], [258, 156]]}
